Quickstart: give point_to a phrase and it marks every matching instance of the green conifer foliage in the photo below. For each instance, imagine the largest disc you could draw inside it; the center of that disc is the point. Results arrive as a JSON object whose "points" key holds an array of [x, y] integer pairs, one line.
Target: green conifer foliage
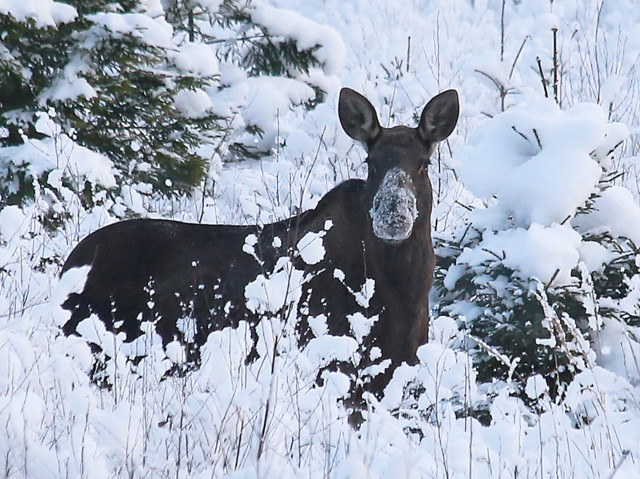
{"points": [[518, 327], [30, 58], [126, 109], [516, 322], [242, 41], [133, 118], [246, 43]]}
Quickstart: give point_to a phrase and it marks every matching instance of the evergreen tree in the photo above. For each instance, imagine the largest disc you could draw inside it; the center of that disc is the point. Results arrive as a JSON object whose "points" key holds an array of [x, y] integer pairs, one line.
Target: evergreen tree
{"points": [[246, 42], [240, 40], [521, 328], [519, 325], [31, 56], [110, 89]]}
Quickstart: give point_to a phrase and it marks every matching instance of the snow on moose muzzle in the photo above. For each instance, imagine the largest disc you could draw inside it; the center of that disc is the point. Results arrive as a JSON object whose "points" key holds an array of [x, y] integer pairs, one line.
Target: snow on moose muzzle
{"points": [[394, 209]]}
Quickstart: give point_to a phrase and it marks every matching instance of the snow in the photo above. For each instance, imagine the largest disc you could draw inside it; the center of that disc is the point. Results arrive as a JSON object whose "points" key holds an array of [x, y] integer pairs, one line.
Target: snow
{"points": [[59, 152], [594, 255], [270, 293], [193, 103], [13, 222], [616, 212], [307, 33], [545, 169], [264, 101], [360, 325], [538, 252], [211, 5], [311, 248], [45, 13], [195, 58], [267, 99], [536, 386], [71, 85], [525, 173], [322, 350], [155, 31], [249, 246]]}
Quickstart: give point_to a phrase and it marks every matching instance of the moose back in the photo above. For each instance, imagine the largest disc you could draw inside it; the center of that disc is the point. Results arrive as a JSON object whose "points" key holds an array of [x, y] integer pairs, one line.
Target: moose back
{"points": [[375, 229]]}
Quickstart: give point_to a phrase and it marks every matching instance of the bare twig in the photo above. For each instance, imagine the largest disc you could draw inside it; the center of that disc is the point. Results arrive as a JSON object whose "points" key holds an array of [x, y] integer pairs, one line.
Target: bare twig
{"points": [[515, 60], [555, 66], [544, 82]]}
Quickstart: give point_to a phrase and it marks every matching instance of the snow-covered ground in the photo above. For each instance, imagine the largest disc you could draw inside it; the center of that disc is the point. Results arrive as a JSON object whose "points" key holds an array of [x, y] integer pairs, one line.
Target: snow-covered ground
{"points": [[519, 169]]}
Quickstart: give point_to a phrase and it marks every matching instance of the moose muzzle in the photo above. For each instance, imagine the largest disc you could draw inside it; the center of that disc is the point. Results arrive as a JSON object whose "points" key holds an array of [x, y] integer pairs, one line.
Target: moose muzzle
{"points": [[394, 210]]}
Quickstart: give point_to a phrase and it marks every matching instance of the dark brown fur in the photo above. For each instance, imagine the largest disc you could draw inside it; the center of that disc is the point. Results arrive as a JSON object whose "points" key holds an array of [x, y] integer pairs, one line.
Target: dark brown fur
{"points": [[201, 270]]}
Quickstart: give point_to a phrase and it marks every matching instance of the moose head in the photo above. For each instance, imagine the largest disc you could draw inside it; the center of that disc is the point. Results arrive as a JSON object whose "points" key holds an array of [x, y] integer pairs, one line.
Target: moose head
{"points": [[398, 161]]}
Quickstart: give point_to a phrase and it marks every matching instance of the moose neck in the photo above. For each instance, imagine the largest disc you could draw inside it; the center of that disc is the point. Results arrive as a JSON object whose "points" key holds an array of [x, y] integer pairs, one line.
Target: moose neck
{"points": [[404, 267], [403, 275]]}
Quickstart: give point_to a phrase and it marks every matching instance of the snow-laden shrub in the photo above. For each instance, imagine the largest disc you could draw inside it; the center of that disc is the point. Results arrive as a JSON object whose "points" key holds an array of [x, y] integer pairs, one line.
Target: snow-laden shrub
{"points": [[104, 80], [163, 108], [550, 258], [272, 61]]}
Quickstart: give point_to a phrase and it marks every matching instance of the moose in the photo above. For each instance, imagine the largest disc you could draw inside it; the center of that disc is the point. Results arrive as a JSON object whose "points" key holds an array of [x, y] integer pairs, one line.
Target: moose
{"points": [[375, 229]]}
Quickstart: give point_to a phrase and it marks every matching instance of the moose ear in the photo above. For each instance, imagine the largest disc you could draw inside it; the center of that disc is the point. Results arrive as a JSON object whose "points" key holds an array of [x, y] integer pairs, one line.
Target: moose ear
{"points": [[358, 117], [439, 117]]}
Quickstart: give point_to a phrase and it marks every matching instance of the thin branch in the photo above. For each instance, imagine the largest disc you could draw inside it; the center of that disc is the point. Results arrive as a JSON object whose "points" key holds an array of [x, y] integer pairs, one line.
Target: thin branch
{"points": [[544, 82], [555, 66], [515, 60]]}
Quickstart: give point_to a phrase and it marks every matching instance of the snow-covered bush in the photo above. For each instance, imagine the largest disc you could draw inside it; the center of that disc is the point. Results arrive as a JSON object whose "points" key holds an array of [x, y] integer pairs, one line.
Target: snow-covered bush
{"points": [[162, 108], [271, 60], [537, 272], [102, 79]]}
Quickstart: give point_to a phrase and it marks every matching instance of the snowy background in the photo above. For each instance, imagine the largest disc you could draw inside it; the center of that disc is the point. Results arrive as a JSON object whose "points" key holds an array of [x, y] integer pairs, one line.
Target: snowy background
{"points": [[536, 195]]}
